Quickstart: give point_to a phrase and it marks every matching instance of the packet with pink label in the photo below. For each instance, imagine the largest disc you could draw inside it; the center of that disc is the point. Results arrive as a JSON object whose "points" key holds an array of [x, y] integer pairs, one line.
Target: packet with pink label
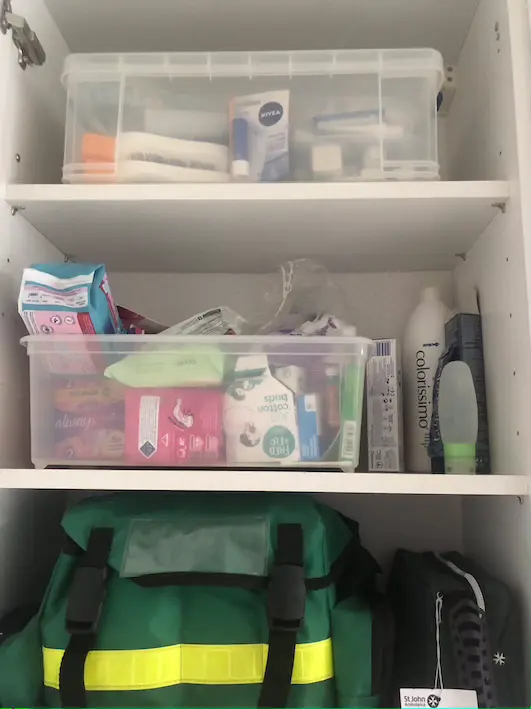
{"points": [[136, 324], [68, 299], [173, 426]]}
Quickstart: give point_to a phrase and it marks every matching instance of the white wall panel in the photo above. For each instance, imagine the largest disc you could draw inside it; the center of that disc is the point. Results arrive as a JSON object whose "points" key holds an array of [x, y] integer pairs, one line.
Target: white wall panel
{"points": [[26, 517]]}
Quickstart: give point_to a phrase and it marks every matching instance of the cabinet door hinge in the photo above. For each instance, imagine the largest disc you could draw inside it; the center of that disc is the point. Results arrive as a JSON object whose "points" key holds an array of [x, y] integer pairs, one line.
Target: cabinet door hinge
{"points": [[30, 51]]}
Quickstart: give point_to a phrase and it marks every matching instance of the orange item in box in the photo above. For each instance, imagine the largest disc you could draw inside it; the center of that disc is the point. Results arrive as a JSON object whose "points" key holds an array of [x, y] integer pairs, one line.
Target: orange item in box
{"points": [[87, 394], [88, 419], [98, 148]]}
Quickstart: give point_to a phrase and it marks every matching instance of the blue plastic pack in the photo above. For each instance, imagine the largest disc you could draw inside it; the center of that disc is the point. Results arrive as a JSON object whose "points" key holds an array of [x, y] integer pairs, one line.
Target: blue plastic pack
{"points": [[68, 299]]}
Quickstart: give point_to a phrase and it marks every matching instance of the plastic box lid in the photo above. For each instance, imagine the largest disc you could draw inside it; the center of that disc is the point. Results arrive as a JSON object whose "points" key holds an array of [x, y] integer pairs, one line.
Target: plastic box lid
{"points": [[232, 344], [391, 62]]}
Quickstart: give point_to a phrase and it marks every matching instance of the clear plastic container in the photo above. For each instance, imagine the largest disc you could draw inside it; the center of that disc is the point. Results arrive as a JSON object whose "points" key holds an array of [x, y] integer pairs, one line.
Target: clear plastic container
{"points": [[349, 115], [174, 401]]}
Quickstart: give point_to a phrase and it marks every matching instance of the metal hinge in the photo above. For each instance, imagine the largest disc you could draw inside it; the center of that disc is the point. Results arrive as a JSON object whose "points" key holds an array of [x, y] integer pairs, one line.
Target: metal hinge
{"points": [[448, 90], [30, 51]]}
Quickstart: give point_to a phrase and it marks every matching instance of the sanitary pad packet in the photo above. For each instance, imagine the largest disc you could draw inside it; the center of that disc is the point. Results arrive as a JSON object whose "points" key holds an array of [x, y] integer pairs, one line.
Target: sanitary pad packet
{"points": [[260, 137], [173, 426], [259, 415], [88, 420], [86, 394], [68, 299]]}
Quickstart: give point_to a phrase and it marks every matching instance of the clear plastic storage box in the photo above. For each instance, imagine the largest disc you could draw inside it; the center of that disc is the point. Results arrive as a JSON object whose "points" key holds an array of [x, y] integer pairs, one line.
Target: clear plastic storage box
{"points": [[260, 116], [174, 401]]}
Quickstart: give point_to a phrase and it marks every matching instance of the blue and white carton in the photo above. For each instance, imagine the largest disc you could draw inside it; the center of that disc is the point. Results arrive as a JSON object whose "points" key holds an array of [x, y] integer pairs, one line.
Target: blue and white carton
{"points": [[260, 137], [309, 430]]}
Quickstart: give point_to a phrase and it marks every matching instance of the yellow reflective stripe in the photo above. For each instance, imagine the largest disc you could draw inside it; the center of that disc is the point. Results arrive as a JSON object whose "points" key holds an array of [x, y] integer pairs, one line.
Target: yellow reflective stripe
{"points": [[115, 670]]}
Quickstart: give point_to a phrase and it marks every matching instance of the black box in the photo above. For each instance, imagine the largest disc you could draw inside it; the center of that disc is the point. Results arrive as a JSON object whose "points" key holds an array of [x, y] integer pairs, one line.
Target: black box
{"points": [[464, 343]]}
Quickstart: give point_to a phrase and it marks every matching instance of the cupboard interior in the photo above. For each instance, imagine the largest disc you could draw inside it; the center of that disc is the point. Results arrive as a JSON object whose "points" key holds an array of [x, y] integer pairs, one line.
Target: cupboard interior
{"points": [[494, 531], [489, 531], [478, 138], [472, 35]]}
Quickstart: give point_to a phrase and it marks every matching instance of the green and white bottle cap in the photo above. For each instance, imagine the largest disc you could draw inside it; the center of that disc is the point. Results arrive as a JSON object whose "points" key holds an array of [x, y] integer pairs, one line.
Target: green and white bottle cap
{"points": [[460, 458]]}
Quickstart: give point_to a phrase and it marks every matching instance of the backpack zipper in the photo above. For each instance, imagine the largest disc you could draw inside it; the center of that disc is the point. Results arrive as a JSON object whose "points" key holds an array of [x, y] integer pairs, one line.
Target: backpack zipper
{"points": [[474, 585]]}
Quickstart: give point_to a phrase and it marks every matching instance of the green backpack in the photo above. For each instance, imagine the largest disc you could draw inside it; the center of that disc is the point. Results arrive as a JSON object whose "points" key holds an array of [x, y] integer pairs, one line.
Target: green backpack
{"points": [[218, 600]]}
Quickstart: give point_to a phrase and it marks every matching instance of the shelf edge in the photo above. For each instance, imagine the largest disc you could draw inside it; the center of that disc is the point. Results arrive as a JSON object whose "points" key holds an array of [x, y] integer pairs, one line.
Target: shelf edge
{"points": [[497, 190], [260, 481]]}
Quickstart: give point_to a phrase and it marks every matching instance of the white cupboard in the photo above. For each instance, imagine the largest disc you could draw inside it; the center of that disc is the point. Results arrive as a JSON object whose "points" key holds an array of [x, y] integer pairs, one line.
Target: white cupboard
{"points": [[172, 250]]}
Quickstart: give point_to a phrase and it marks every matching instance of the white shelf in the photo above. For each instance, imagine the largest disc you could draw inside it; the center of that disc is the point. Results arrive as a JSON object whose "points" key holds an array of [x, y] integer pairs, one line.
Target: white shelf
{"points": [[269, 481], [350, 227]]}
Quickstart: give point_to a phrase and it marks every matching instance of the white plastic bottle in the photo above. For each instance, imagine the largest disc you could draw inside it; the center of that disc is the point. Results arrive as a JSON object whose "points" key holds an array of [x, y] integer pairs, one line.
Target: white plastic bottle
{"points": [[422, 346]]}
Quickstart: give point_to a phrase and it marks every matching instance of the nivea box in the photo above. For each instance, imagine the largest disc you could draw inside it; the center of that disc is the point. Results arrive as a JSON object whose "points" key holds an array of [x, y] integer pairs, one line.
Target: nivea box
{"points": [[260, 137]]}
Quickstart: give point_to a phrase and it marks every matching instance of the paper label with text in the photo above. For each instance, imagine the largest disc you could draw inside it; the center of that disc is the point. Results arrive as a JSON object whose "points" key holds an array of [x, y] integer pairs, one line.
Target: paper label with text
{"points": [[438, 699]]}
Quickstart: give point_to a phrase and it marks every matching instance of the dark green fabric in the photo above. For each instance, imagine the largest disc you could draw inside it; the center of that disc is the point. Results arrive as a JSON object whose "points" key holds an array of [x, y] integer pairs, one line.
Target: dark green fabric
{"points": [[317, 695], [325, 534], [21, 673], [353, 669], [136, 617]]}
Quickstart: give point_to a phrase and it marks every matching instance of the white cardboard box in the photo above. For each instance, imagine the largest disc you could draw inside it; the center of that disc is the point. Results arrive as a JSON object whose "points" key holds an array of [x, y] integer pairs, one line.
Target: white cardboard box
{"points": [[384, 409]]}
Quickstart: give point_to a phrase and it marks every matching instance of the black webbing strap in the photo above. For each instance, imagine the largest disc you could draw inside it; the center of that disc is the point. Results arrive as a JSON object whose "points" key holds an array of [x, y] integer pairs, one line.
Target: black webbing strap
{"points": [[286, 601], [85, 602]]}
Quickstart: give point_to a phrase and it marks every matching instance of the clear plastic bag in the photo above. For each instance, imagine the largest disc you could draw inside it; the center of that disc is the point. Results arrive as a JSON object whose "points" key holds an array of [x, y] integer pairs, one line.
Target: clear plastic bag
{"points": [[300, 292]]}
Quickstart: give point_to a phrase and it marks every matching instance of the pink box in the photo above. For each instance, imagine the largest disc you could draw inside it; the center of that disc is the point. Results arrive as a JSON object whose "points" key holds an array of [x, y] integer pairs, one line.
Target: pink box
{"points": [[165, 427]]}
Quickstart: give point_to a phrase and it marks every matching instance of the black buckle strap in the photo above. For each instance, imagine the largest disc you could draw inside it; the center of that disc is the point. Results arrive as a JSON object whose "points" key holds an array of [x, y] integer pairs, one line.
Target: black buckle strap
{"points": [[286, 598], [85, 600], [286, 603], [85, 603]]}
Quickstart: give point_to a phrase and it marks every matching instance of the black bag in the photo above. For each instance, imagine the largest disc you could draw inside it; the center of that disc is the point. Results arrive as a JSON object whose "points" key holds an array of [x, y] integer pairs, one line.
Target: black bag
{"points": [[479, 631]]}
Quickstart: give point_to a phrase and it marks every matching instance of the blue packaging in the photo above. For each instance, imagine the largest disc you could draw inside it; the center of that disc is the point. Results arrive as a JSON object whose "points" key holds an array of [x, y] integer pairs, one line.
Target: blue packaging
{"points": [[308, 422], [68, 299], [260, 137]]}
